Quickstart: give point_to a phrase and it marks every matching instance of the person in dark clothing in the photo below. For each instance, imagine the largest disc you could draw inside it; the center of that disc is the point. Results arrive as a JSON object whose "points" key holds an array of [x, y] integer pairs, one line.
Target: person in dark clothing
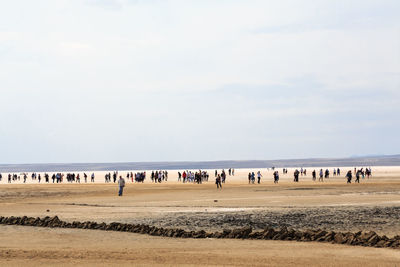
{"points": [[357, 177], [276, 177], [349, 177], [218, 182], [296, 176], [314, 175]]}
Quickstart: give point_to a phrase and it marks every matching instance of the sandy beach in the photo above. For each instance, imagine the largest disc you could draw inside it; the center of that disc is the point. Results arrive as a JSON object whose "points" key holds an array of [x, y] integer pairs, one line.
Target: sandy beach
{"points": [[374, 205]]}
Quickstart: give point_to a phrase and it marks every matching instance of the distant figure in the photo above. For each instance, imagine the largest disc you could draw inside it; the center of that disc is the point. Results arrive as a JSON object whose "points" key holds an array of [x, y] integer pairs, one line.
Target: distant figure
{"points": [[249, 177], [368, 172], [218, 181], [326, 173], [296, 175], [358, 176], [276, 177], [259, 175], [233, 172], [349, 177], [314, 175], [92, 178], [121, 184], [321, 176]]}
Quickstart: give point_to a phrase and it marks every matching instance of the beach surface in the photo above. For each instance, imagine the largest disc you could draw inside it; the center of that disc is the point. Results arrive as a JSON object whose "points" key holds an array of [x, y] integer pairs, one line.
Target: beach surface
{"points": [[372, 205]]}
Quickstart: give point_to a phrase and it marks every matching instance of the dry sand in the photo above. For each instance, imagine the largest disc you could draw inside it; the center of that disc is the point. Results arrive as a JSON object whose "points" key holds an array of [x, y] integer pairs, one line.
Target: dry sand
{"points": [[373, 204]]}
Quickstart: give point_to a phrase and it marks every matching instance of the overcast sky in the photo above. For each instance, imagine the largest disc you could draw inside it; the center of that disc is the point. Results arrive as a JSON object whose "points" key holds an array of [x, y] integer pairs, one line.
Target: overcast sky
{"points": [[158, 80]]}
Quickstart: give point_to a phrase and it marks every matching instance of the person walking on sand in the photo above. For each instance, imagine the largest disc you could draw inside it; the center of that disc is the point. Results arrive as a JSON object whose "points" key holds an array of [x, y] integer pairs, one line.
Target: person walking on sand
{"points": [[121, 185], [296, 175], [276, 177], [218, 181], [357, 177], [314, 175], [349, 177], [259, 175], [321, 176]]}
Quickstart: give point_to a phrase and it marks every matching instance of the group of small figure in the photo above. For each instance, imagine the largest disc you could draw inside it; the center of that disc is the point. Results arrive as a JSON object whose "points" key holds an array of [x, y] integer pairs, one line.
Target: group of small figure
{"points": [[252, 177], [221, 178], [137, 177], [367, 172], [324, 174], [55, 177], [159, 176], [193, 177], [358, 173], [189, 176], [72, 177]]}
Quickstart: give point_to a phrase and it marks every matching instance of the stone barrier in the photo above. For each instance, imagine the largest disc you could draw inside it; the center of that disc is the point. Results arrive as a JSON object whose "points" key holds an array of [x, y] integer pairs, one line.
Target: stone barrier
{"points": [[367, 239]]}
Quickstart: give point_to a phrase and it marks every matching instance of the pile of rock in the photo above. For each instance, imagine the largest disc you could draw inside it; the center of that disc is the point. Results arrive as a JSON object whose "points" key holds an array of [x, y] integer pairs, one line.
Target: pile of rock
{"points": [[370, 239]]}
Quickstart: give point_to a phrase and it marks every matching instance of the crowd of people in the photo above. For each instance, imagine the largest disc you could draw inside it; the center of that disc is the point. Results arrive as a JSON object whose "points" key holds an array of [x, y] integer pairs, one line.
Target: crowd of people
{"points": [[193, 177], [159, 176], [187, 176]]}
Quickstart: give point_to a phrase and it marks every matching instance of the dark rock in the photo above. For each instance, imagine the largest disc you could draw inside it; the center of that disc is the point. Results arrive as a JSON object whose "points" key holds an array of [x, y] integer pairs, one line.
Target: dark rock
{"points": [[381, 244], [365, 236], [339, 238], [268, 234], [200, 234], [373, 240]]}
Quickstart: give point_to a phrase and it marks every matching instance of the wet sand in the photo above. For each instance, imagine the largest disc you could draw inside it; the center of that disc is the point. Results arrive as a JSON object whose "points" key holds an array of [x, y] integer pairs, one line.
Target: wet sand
{"points": [[374, 204]]}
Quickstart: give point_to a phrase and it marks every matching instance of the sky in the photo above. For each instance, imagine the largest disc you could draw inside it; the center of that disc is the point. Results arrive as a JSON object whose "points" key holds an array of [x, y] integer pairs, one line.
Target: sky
{"points": [[159, 80]]}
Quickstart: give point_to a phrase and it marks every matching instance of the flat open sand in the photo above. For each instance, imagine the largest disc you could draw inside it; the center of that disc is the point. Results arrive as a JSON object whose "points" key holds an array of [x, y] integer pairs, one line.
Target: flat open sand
{"points": [[374, 204]]}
